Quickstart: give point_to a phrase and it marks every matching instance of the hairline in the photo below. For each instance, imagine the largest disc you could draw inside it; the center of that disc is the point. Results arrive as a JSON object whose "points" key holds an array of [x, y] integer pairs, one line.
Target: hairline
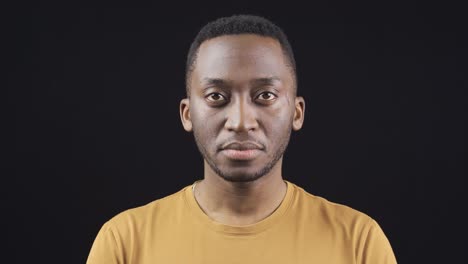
{"points": [[288, 62]]}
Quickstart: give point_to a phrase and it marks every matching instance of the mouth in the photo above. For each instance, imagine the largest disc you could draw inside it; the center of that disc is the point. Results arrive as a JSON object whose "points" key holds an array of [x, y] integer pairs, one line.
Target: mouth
{"points": [[241, 151], [247, 154]]}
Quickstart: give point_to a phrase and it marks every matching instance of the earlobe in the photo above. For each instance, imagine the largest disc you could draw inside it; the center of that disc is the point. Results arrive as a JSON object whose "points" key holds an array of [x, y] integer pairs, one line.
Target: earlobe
{"points": [[184, 110], [299, 111]]}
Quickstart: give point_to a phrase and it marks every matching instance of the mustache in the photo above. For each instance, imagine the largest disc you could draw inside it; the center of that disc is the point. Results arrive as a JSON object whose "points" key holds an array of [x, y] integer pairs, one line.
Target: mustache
{"points": [[241, 144]]}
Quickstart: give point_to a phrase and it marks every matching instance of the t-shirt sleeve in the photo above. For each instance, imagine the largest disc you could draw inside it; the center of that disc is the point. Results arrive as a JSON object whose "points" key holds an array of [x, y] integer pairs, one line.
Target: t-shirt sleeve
{"points": [[106, 248], [374, 246]]}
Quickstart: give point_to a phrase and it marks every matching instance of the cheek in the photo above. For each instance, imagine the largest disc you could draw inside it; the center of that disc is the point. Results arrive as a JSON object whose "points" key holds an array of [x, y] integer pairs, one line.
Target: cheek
{"points": [[279, 124], [204, 126], [280, 116]]}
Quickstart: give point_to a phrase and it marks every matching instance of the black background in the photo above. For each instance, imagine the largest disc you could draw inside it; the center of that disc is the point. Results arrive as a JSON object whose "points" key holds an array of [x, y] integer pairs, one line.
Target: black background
{"points": [[93, 126]]}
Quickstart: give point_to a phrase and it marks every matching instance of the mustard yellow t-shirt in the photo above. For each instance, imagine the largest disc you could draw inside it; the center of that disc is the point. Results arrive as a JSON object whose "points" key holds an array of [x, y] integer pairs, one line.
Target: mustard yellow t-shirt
{"points": [[303, 229]]}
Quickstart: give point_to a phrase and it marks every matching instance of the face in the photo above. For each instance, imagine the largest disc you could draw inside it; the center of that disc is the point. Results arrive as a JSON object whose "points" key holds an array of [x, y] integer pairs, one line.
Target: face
{"points": [[242, 105]]}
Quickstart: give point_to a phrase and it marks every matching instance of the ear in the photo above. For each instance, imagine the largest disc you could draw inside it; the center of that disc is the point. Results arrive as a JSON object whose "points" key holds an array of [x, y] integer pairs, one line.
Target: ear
{"points": [[299, 109], [185, 114]]}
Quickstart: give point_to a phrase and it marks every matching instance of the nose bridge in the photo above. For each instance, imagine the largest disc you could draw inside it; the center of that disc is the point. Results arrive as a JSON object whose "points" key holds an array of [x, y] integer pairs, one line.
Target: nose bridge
{"points": [[241, 115]]}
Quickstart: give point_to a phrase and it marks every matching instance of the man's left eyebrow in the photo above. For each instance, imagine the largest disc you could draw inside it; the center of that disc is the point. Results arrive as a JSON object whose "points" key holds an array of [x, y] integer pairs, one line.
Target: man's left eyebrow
{"points": [[266, 80]]}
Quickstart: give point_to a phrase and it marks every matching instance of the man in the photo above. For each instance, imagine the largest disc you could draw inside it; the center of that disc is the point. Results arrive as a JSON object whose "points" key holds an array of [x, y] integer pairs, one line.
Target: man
{"points": [[241, 106]]}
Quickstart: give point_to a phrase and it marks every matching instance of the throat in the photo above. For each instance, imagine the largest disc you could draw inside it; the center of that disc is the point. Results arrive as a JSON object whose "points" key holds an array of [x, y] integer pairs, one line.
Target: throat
{"points": [[231, 208]]}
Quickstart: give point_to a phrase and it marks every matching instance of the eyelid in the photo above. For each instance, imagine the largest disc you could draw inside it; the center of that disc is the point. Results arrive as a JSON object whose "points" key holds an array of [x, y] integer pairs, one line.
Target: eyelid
{"points": [[220, 94], [274, 95]]}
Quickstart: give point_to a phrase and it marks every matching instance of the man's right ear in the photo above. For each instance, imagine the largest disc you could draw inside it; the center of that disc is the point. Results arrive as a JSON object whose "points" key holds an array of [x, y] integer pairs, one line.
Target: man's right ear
{"points": [[185, 114]]}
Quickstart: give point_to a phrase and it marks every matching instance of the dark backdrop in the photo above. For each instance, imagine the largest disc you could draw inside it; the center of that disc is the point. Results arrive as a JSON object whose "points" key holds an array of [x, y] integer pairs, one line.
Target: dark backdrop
{"points": [[93, 127]]}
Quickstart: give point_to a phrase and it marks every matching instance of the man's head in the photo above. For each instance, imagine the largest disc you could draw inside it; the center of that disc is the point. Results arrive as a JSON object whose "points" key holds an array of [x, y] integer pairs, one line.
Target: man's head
{"points": [[241, 96], [234, 25]]}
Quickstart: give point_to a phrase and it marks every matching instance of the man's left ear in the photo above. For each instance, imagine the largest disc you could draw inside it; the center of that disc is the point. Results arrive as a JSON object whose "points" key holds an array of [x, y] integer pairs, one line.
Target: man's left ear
{"points": [[299, 109]]}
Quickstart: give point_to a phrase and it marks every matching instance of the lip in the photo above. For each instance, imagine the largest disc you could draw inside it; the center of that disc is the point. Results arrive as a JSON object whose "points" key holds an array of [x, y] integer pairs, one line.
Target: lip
{"points": [[246, 154], [241, 150], [246, 145]]}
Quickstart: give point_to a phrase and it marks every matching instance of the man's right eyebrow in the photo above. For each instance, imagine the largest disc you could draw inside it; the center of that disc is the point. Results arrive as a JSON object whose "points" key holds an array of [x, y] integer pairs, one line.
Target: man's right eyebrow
{"points": [[218, 82]]}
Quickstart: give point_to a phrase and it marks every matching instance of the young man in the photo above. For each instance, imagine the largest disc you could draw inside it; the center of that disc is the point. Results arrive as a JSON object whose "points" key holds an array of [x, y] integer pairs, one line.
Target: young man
{"points": [[241, 106]]}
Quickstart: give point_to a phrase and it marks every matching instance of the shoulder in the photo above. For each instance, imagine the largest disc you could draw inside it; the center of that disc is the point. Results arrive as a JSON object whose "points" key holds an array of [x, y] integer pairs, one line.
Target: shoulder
{"points": [[357, 228], [119, 236], [138, 217], [331, 213]]}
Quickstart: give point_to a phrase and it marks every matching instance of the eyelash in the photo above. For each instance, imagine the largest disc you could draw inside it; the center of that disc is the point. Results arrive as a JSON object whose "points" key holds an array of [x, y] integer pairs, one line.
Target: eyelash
{"points": [[274, 95], [267, 92], [209, 95]]}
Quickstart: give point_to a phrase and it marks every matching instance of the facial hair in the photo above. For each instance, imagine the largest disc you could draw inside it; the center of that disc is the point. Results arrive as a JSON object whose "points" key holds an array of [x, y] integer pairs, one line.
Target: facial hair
{"points": [[245, 177]]}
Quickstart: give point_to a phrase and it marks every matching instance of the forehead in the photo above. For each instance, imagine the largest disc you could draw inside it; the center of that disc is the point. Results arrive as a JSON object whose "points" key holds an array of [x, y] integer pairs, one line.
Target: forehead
{"points": [[241, 58]]}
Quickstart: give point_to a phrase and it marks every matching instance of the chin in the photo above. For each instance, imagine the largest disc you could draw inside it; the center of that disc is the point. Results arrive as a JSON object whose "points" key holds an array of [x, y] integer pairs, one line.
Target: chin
{"points": [[240, 177], [241, 174], [247, 171]]}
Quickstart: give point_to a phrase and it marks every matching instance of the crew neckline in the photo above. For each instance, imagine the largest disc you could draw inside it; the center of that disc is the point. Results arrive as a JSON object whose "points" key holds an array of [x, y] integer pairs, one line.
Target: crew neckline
{"points": [[251, 229]]}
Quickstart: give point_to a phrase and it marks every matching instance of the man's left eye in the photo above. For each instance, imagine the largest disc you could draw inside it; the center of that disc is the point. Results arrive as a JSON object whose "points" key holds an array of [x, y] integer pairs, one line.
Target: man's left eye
{"points": [[267, 96]]}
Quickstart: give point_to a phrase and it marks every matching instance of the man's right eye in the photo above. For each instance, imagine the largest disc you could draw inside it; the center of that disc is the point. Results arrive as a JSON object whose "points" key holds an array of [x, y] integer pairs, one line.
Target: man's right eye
{"points": [[215, 97]]}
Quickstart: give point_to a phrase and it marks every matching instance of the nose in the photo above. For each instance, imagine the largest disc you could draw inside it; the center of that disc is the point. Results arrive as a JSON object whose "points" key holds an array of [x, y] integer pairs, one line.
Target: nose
{"points": [[241, 116]]}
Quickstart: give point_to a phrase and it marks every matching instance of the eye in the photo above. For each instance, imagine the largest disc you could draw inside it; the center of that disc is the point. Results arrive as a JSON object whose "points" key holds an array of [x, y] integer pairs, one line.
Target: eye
{"points": [[215, 97], [266, 96]]}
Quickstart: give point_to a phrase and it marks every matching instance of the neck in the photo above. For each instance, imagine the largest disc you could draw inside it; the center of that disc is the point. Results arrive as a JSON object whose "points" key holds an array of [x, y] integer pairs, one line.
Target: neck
{"points": [[240, 203]]}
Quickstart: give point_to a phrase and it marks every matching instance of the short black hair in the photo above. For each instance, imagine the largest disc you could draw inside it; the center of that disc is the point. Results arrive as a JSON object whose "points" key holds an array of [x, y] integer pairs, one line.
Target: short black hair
{"points": [[234, 25]]}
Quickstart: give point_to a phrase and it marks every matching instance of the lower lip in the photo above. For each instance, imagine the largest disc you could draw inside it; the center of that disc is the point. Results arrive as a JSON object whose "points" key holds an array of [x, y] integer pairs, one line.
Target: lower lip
{"points": [[247, 154]]}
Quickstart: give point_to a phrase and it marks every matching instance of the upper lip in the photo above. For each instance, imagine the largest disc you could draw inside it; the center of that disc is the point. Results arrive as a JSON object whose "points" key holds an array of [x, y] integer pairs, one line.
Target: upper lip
{"points": [[241, 145]]}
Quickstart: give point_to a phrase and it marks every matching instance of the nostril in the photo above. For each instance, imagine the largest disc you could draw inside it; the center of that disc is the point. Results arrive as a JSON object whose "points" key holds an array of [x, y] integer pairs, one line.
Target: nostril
{"points": [[240, 117]]}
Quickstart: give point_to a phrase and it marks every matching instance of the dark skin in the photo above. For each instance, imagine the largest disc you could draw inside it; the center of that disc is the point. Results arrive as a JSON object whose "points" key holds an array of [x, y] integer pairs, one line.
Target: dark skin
{"points": [[241, 109]]}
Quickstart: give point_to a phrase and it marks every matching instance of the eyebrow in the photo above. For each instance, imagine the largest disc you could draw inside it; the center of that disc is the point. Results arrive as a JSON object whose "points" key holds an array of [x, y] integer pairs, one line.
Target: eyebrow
{"points": [[224, 83], [216, 82], [266, 80]]}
